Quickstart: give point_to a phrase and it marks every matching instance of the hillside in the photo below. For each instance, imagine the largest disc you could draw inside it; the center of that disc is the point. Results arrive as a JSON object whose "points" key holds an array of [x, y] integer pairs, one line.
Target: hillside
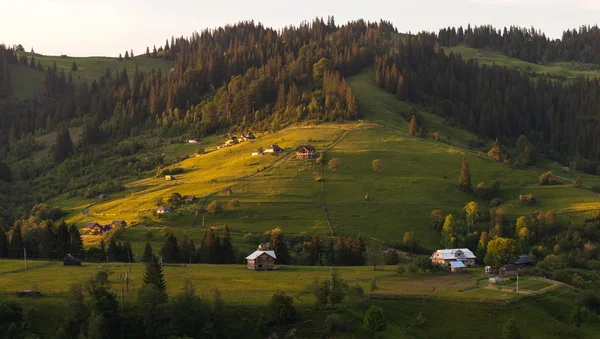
{"points": [[28, 81], [419, 176]]}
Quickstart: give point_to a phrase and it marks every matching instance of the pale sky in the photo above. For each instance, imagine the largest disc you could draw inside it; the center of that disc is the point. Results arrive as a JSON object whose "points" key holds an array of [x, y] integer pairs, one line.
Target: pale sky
{"points": [[109, 27]]}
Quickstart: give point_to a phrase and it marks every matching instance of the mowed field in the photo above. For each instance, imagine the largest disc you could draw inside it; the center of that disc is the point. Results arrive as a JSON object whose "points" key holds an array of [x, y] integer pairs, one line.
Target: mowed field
{"points": [[569, 70], [27, 81], [419, 175], [419, 306]]}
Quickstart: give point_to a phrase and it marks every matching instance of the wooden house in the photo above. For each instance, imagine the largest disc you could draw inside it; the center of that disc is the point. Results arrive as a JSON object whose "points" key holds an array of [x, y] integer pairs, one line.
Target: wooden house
{"points": [[447, 256], [101, 197], [248, 136], [70, 260], [305, 152], [258, 153], [508, 270], [273, 149], [190, 198], [91, 225], [163, 210], [261, 260], [524, 261], [121, 223]]}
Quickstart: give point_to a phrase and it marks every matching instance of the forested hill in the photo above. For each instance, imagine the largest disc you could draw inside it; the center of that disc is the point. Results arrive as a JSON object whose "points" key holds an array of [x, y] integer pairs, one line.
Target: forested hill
{"points": [[248, 76], [577, 45]]}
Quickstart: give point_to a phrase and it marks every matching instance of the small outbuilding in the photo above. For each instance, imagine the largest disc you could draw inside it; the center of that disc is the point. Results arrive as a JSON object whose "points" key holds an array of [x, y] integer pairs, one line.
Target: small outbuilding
{"points": [[248, 136], [91, 225], [457, 266], [121, 223], [70, 260], [190, 198], [261, 260], [565, 169], [488, 270], [258, 153], [273, 149], [29, 293], [494, 280], [194, 141], [169, 177], [508, 270], [163, 210], [101, 197]]}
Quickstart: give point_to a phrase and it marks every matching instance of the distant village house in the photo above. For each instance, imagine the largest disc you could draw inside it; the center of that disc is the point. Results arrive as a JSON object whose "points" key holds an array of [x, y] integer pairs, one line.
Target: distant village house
{"points": [[189, 198], [163, 210], [121, 223], [194, 141], [248, 136], [508, 270], [169, 177], [305, 152], [273, 149], [261, 260], [447, 256]]}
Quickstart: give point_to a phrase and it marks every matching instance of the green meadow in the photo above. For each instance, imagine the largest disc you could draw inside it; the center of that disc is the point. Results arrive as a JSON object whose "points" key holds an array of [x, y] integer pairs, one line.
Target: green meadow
{"points": [[419, 175]]}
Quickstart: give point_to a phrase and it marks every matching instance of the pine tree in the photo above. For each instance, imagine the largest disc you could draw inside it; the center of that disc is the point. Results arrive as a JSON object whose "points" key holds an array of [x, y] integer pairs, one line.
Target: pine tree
{"points": [[147, 52], [279, 246], [63, 238], [187, 248], [412, 126], [16, 242], [126, 55], [3, 243], [128, 251], [74, 66], [147, 253], [170, 250], [207, 247], [64, 146], [227, 247], [464, 180], [75, 242], [330, 253], [120, 57], [154, 276]]}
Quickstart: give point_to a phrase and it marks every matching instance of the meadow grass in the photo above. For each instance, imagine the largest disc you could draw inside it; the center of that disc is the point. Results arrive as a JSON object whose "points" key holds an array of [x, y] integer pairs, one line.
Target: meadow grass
{"points": [[569, 70]]}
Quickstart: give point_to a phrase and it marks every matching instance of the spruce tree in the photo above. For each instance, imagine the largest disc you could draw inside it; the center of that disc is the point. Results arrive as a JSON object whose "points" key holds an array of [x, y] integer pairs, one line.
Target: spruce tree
{"points": [[63, 238], [76, 242], [16, 242], [64, 145], [147, 253], [464, 180], [279, 246], [3, 243], [154, 276], [147, 52], [74, 66], [227, 247], [412, 126]]}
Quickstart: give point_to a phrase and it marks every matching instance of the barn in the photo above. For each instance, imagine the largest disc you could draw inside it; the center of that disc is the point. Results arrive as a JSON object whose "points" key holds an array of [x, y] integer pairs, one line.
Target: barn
{"points": [[261, 260]]}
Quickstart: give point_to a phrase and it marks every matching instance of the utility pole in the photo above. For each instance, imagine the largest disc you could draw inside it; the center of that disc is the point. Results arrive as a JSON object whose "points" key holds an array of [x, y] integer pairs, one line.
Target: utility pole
{"points": [[25, 257], [517, 281]]}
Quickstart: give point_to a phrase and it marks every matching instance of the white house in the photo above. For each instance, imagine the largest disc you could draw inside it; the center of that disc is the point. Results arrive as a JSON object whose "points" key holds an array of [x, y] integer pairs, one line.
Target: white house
{"points": [[444, 257], [163, 210]]}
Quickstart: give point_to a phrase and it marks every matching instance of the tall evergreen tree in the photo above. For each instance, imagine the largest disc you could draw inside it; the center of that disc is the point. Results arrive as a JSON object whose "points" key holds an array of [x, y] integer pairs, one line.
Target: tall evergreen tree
{"points": [[16, 242], [227, 253], [3, 243], [74, 66], [76, 243], [64, 145], [412, 126], [154, 276], [63, 238], [280, 247], [147, 253], [464, 179], [170, 251]]}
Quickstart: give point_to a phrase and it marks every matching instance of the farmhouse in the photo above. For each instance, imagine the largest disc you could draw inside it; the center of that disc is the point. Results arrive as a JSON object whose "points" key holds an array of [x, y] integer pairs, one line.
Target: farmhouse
{"points": [[273, 149], [163, 210], [261, 260], [169, 177], [305, 152], [232, 141], [119, 223], [259, 152], [190, 198], [91, 225], [247, 136], [101, 197], [445, 257], [194, 141], [564, 169], [508, 270], [523, 261]]}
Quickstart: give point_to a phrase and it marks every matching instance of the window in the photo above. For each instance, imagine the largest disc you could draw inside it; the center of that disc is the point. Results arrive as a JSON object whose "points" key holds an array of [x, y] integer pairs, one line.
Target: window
{"points": [[260, 266]]}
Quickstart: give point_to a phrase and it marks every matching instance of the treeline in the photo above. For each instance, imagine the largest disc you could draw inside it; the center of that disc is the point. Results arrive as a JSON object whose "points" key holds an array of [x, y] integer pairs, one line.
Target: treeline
{"points": [[531, 45], [560, 120], [7, 55]]}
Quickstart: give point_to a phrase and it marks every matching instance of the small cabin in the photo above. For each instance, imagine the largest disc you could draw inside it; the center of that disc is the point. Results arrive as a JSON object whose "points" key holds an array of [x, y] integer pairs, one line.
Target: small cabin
{"points": [[508, 270], [261, 260], [163, 210], [248, 136], [29, 293], [273, 149], [101, 197], [169, 177], [70, 260], [194, 141], [91, 225], [524, 261], [305, 152], [457, 266], [190, 198], [565, 169], [258, 153], [121, 223]]}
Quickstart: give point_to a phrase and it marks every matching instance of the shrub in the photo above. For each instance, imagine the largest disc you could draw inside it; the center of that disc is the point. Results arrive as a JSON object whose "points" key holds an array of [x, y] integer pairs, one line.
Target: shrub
{"points": [[377, 165], [280, 310], [527, 199], [355, 294], [436, 135], [335, 324], [495, 202], [214, 208], [334, 164], [234, 203], [547, 178], [320, 158], [375, 319]]}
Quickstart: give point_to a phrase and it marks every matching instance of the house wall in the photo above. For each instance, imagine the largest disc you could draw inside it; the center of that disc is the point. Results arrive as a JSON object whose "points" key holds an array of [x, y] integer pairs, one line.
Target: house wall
{"points": [[263, 262], [307, 155]]}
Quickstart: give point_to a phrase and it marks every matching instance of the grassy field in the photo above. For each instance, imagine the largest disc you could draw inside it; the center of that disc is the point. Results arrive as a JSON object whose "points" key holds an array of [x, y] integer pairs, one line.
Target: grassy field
{"points": [[28, 81], [419, 176], [420, 306], [569, 70]]}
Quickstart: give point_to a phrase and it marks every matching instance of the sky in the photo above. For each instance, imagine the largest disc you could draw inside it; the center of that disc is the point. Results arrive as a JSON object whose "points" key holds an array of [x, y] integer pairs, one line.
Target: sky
{"points": [[109, 27]]}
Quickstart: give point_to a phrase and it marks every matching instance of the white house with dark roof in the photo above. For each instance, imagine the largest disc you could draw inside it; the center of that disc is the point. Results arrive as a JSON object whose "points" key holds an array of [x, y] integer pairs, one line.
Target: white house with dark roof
{"points": [[445, 257]]}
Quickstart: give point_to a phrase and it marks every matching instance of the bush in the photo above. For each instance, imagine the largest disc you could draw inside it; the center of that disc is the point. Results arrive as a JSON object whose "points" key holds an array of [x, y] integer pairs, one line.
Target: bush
{"points": [[214, 208], [234, 203], [333, 164], [334, 323], [487, 191], [280, 310], [495, 202], [547, 178], [377, 165], [375, 319], [527, 199]]}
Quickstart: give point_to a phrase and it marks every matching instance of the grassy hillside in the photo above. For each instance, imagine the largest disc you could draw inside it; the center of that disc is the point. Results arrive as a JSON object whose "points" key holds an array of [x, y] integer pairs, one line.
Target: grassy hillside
{"points": [[420, 175], [28, 81], [569, 70]]}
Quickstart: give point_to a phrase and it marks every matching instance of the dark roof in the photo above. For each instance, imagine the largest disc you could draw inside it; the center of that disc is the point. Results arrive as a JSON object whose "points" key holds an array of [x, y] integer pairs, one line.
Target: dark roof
{"points": [[308, 148], [276, 148], [509, 267], [523, 259], [91, 224], [189, 198], [118, 222]]}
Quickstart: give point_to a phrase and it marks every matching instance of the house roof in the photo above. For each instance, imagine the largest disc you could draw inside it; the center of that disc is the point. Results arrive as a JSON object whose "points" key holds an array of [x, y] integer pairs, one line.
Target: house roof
{"points": [[257, 254], [453, 253], [118, 222], [275, 147], [509, 267], [189, 197], [523, 259], [164, 209], [91, 224], [306, 148], [457, 264]]}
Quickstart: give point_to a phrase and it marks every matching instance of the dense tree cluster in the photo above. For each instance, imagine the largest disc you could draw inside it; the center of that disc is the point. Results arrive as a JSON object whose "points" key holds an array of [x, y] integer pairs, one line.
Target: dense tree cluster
{"points": [[532, 45], [557, 118]]}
